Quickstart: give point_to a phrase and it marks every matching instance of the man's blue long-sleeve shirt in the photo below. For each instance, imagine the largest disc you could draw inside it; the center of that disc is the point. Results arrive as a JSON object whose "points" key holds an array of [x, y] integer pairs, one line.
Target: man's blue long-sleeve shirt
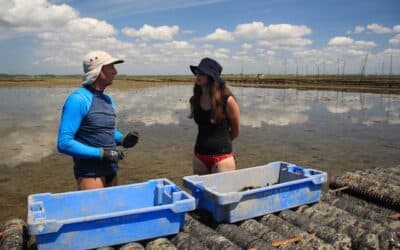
{"points": [[81, 122]]}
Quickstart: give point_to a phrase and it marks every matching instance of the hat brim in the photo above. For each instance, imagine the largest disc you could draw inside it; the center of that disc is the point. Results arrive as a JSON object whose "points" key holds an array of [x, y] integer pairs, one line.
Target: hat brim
{"points": [[196, 69], [113, 61]]}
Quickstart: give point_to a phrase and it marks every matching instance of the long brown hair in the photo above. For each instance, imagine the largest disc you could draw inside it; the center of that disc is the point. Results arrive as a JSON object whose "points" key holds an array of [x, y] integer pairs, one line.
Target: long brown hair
{"points": [[219, 94]]}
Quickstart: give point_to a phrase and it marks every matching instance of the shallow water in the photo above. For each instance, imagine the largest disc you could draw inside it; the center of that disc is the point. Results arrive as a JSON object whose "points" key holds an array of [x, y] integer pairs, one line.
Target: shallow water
{"points": [[327, 130]]}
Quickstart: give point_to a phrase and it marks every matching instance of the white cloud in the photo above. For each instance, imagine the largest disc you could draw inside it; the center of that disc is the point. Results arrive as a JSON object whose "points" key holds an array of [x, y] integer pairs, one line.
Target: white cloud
{"points": [[63, 42], [337, 109], [274, 35], [355, 52], [340, 41], [148, 32], [90, 27], [257, 112], [392, 51], [208, 46], [175, 52], [277, 36], [270, 53], [349, 103], [379, 29], [64, 37], [76, 38], [375, 28], [257, 30], [182, 45], [352, 45], [357, 30], [260, 50], [21, 18], [219, 35], [220, 53], [137, 106], [364, 44], [290, 43], [28, 145], [61, 37], [34, 16], [395, 40], [246, 46]]}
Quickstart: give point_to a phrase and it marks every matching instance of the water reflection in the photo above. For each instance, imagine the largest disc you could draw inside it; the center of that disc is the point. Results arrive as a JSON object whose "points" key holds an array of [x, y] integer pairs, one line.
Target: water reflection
{"points": [[168, 105], [29, 123], [29, 116], [271, 107]]}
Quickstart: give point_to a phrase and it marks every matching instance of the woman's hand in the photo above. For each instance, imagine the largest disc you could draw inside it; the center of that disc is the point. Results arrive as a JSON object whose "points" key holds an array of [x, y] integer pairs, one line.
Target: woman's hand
{"points": [[233, 112]]}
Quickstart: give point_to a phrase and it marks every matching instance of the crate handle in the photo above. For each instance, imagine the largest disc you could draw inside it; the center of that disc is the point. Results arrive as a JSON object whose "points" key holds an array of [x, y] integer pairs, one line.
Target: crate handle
{"points": [[37, 208], [318, 178], [159, 194], [169, 191]]}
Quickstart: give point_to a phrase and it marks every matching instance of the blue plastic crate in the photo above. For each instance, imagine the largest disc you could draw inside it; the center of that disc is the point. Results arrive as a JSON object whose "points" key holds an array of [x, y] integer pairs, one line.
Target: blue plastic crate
{"points": [[108, 216], [247, 193]]}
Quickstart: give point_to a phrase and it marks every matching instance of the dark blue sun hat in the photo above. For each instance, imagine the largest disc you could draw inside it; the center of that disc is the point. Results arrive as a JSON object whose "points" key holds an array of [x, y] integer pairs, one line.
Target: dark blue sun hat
{"points": [[209, 67]]}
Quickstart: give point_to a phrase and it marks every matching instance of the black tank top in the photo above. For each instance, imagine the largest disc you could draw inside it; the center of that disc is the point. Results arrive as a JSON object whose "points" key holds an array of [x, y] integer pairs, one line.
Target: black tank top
{"points": [[212, 138]]}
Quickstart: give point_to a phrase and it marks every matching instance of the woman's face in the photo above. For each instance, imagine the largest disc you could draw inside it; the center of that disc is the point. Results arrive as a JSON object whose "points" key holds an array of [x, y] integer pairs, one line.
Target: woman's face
{"points": [[201, 79]]}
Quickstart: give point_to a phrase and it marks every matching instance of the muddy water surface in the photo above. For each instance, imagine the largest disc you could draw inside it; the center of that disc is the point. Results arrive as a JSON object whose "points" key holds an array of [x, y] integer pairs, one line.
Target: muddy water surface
{"points": [[327, 130]]}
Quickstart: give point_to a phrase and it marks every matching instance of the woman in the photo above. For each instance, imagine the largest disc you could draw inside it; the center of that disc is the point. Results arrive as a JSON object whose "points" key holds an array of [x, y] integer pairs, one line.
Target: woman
{"points": [[217, 115]]}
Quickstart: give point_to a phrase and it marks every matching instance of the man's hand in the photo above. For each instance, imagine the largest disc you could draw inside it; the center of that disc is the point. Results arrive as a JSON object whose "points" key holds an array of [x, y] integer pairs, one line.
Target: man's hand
{"points": [[130, 139], [112, 155]]}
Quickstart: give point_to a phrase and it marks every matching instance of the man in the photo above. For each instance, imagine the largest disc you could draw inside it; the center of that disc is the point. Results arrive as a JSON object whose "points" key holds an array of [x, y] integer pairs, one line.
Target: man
{"points": [[87, 127]]}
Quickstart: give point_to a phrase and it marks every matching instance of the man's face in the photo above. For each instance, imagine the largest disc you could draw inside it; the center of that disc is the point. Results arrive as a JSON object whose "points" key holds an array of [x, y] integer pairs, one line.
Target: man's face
{"points": [[107, 74]]}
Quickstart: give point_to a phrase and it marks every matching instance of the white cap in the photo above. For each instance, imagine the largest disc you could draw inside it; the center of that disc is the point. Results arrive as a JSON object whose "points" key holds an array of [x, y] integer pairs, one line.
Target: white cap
{"points": [[93, 63]]}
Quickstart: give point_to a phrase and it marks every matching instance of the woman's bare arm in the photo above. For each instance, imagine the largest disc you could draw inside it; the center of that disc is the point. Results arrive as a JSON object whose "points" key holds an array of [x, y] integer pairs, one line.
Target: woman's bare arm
{"points": [[233, 113]]}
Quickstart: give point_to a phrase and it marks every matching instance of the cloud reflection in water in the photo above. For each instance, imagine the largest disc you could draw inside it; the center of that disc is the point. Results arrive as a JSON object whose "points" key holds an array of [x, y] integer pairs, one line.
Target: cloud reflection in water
{"points": [[30, 116]]}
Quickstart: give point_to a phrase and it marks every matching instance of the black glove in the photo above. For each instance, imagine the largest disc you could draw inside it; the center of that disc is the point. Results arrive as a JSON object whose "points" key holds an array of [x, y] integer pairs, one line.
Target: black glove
{"points": [[112, 155], [130, 139]]}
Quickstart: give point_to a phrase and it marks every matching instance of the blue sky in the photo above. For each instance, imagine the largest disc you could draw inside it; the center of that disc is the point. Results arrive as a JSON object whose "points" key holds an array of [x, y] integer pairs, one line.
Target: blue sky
{"points": [[164, 37]]}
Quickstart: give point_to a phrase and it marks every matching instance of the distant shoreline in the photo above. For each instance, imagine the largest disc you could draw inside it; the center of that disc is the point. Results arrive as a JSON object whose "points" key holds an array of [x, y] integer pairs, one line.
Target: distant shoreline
{"points": [[352, 83]]}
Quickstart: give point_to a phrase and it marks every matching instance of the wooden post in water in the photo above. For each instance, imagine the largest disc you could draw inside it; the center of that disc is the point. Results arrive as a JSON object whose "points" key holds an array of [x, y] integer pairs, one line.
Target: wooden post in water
{"points": [[344, 66], [306, 69], [337, 66], [391, 68], [241, 69], [363, 66], [284, 67]]}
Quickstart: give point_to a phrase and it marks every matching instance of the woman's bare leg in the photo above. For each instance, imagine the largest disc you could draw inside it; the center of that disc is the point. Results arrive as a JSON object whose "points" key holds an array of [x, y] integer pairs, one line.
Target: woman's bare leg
{"points": [[199, 167], [225, 165]]}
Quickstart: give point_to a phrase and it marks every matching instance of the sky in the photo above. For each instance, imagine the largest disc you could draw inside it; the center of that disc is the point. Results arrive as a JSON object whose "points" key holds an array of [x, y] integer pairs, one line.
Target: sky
{"points": [[159, 37]]}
